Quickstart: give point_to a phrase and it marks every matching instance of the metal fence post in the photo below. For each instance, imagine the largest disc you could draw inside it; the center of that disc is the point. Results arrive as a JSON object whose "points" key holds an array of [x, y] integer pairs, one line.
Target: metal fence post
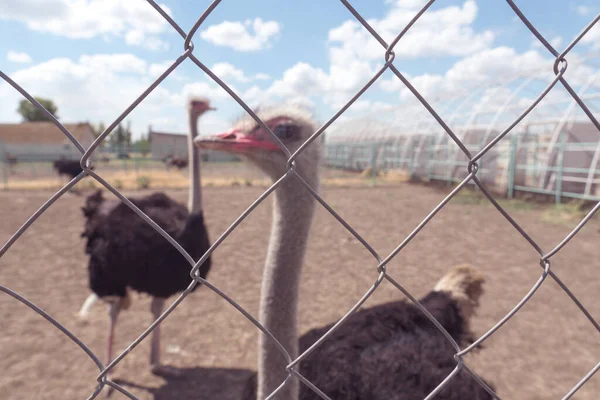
{"points": [[374, 162], [123, 151], [536, 148], [4, 175], [398, 155], [512, 165], [430, 158], [560, 166], [4, 160], [449, 166], [412, 160]]}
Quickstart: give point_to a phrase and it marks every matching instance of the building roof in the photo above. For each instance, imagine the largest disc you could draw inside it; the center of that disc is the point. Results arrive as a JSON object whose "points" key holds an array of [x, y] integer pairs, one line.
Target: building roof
{"points": [[168, 134], [41, 132]]}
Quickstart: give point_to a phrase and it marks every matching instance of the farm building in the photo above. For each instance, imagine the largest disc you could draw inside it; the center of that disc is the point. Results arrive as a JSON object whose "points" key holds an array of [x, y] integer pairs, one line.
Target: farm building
{"points": [[163, 144], [43, 141]]}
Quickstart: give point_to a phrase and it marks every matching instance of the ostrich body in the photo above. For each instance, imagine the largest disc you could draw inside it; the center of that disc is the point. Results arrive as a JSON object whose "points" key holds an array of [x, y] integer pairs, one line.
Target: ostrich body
{"points": [[391, 351], [11, 161], [71, 168], [177, 162], [126, 253]]}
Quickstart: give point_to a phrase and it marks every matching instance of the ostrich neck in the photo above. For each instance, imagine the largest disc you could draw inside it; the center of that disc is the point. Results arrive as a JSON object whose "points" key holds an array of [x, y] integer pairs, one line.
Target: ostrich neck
{"points": [[293, 210], [195, 195]]}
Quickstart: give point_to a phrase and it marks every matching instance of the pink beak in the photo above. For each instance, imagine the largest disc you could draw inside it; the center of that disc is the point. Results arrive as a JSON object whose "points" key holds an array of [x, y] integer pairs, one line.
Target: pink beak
{"points": [[235, 141]]}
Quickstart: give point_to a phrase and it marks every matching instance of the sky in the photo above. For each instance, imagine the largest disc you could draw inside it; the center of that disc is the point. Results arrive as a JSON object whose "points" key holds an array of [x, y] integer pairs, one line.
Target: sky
{"points": [[95, 57]]}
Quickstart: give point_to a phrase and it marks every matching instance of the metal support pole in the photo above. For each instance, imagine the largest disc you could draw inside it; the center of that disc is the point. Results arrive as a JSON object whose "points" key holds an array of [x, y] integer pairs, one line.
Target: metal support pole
{"points": [[374, 162], [430, 158], [512, 165], [560, 164]]}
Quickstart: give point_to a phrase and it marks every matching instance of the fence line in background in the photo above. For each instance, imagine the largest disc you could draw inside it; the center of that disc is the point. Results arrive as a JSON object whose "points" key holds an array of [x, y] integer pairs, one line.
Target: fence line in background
{"points": [[520, 168], [472, 167]]}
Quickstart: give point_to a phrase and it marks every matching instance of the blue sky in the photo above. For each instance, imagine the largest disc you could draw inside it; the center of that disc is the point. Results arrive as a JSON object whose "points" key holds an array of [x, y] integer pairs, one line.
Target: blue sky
{"points": [[94, 57]]}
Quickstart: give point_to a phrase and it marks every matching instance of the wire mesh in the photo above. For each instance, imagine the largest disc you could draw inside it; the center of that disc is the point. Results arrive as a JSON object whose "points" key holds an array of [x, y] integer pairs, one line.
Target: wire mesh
{"points": [[559, 68]]}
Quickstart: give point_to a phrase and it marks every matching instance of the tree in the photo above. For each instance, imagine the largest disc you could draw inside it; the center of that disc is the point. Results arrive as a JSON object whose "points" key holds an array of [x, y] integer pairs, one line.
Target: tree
{"points": [[98, 129], [120, 139], [31, 113], [142, 145]]}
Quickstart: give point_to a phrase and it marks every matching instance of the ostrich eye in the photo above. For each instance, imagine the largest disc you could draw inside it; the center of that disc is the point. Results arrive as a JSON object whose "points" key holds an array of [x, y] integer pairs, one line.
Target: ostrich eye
{"points": [[286, 131]]}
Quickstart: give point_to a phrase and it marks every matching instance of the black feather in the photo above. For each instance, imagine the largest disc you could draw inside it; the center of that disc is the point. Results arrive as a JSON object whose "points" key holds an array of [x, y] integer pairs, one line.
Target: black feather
{"points": [[388, 352], [391, 351], [126, 252]]}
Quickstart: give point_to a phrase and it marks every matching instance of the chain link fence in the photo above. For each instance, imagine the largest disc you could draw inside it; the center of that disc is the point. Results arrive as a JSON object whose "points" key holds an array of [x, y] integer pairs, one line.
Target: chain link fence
{"points": [[559, 68]]}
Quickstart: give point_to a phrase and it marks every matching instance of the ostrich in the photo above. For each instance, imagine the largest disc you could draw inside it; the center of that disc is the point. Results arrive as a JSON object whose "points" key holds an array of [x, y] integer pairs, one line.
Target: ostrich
{"points": [[391, 351], [12, 161], [127, 253], [71, 168], [178, 162]]}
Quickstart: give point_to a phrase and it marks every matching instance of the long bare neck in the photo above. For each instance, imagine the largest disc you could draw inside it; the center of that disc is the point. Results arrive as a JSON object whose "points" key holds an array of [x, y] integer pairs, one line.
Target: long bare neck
{"points": [[293, 210], [195, 195]]}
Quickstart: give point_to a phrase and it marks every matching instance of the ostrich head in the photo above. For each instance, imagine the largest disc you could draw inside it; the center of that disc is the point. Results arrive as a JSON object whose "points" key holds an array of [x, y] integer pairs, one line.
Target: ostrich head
{"points": [[198, 105], [291, 124]]}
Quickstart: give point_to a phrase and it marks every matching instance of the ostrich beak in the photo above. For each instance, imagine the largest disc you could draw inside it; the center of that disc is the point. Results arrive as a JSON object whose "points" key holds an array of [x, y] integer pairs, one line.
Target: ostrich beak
{"points": [[235, 141]]}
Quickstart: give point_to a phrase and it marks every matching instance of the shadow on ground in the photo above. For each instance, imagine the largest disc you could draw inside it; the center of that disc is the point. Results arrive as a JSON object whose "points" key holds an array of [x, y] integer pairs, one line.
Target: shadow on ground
{"points": [[201, 383]]}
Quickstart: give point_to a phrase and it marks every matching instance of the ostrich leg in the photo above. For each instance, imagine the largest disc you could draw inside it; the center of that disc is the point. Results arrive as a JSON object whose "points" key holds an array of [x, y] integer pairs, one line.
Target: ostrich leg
{"points": [[157, 368], [113, 312], [115, 308]]}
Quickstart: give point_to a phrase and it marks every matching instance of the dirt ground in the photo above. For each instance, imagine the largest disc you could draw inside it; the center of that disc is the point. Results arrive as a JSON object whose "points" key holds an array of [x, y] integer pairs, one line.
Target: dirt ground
{"points": [[539, 354]]}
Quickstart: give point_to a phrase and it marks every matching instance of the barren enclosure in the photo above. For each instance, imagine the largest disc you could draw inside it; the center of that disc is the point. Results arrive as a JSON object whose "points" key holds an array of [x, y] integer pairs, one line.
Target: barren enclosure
{"points": [[541, 353]]}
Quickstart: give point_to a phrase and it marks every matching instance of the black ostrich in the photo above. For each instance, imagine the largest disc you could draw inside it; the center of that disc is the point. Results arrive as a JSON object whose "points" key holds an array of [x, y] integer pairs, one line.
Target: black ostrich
{"points": [[126, 253], [71, 168], [392, 351], [178, 162], [11, 160]]}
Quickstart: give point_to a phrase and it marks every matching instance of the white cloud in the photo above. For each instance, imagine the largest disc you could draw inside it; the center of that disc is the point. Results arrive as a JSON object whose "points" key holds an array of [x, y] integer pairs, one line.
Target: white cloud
{"points": [[492, 76], [137, 37], [212, 91], [441, 32], [592, 37], [95, 87], [238, 35], [488, 66], [410, 4], [156, 69], [555, 42], [370, 107], [355, 56], [99, 87], [262, 77], [584, 10], [302, 81], [499, 61], [18, 57], [227, 71], [301, 78], [136, 21], [33, 10]]}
